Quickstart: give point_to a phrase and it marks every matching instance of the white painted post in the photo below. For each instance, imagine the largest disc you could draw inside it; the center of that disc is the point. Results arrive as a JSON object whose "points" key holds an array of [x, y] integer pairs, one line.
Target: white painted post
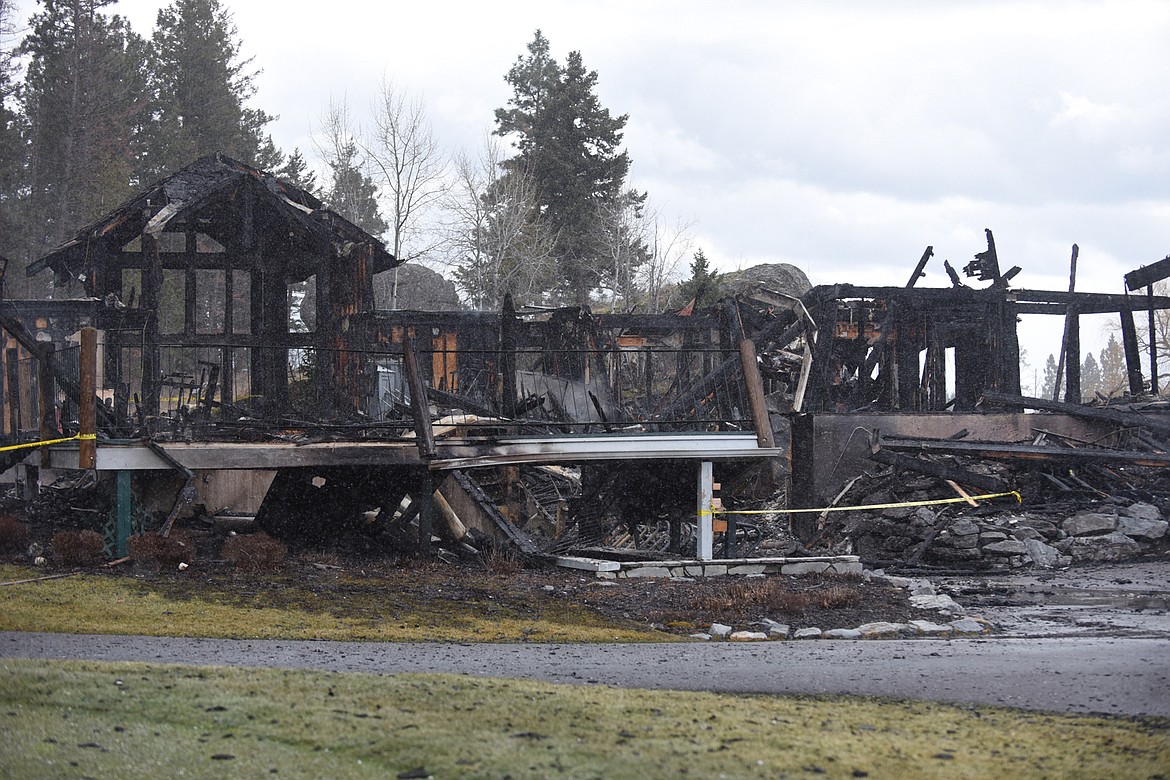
{"points": [[705, 541]]}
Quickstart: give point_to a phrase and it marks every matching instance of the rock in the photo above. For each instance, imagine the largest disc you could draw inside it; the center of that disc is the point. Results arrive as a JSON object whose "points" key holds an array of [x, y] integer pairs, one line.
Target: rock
{"points": [[1089, 523], [1044, 556], [930, 629], [747, 636], [842, 633], [775, 630], [811, 567], [649, 571], [987, 537], [746, 569], [719, 630], [968, 542], [923, 518], [882, 629], [968, 626], [1048, 529], [807, 633], [715, 570], [964, 527], [1115, 546], [921, 587], [942, 602], [1024, 533], [1142, 527], [1142, 511], [702, 636], [1006, 547]]}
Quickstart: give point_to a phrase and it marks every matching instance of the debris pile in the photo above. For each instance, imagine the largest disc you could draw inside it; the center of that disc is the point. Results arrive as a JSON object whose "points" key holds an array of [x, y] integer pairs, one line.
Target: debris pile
{"points": [[1078, 502]]}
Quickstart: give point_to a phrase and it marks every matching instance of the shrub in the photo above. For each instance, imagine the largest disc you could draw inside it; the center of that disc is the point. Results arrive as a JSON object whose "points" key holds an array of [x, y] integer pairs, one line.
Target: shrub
{"points": [[78, 548], [13, 534], [168, 551], [254, 552], [501, 560]]}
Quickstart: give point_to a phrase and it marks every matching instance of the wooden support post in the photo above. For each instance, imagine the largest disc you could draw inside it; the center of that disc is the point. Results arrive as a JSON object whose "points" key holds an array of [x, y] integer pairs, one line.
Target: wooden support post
{"points": [[420, 406], [12, 364], [705, 537], [802, 480], [87, 444], [1153, 341], [755, 391], [1133, 363], [122, 524], [1069, 317], [47, 385], [1072, 367], [426, 514]]}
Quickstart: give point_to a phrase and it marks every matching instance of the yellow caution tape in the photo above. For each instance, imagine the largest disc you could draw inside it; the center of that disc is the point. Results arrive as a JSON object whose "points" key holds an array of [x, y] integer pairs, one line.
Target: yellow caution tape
{"points": [[47, 442], [1014, 493]]}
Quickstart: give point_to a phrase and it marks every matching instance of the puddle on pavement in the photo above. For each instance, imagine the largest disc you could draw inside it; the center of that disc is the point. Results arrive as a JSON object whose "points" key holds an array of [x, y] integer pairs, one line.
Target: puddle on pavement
{"points": [[1081, 597]]}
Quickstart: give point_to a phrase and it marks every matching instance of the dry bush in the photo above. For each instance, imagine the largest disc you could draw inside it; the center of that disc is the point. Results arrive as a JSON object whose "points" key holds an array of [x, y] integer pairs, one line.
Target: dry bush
{"points": [[168, 551], [78, 548], [838, 597], [768, 595], [254, 552], [502, 561], [13, 534]]}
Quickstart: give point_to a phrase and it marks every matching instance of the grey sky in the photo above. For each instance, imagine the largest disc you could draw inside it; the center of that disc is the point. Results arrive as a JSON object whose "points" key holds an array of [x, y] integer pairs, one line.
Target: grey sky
{"points": [[842, 137]]}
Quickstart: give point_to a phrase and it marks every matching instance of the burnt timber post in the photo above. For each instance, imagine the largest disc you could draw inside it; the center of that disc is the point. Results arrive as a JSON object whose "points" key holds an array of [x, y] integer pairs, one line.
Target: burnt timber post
{"points": [[801, 493], [1129, 341], [755, 390], [426, 444], [87, 400], [47, 384]]}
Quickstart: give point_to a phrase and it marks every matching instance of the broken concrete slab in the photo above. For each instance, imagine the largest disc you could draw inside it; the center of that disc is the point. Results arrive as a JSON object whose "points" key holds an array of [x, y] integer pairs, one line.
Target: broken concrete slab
{"points": [[1142, 527], [1045, 556], [1089, 523], [1114, 546]]}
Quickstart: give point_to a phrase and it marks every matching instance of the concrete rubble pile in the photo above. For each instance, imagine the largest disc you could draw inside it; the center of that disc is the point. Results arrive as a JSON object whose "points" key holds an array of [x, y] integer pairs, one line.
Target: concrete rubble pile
{"points": [[1119, 515]]}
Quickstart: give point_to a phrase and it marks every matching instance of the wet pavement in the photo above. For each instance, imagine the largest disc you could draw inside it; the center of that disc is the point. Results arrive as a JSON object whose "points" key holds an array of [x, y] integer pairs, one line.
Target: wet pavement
{"points": [[1105, 600]]}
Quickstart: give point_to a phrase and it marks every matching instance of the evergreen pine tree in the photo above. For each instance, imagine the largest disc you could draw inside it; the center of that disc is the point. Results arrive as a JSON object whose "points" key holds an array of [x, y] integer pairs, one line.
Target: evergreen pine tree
{"points": [[703, 285], [352, 194], [1114, 378], [569, 145], [1048, 383], [1090, 377], [200, 89], [82, 98], [11, 151], [296, 172]]}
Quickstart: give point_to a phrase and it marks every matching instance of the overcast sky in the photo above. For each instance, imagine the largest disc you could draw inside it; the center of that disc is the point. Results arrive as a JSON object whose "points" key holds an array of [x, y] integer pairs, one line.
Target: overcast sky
{"points": [[842, 137]]}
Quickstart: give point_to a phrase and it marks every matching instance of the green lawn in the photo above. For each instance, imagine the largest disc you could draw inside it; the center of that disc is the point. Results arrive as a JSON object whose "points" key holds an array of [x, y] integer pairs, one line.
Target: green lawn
{"points": [[79, 719]]}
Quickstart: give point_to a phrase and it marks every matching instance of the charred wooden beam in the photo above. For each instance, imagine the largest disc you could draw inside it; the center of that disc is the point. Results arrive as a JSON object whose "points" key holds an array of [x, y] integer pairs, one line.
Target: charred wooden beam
{"points": [[691, 396], [919, 271], [1005, 451], [1147, 275], [489, 508], [880, 454], [1114, 416]]}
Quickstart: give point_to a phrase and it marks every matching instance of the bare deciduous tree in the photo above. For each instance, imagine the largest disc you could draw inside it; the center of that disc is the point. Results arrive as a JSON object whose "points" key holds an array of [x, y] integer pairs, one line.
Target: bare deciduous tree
{"points": [[499, 244], [411, 169], [669, 246]]}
